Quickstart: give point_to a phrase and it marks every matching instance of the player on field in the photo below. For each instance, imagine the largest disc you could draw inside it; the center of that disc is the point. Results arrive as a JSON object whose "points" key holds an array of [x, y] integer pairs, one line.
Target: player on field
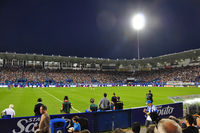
{"points": [[66, 105], [149, 96], [9, 86]]}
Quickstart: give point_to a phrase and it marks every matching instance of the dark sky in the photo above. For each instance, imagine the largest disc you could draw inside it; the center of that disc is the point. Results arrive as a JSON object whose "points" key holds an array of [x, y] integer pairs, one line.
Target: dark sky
{"points": [[98, 28]]}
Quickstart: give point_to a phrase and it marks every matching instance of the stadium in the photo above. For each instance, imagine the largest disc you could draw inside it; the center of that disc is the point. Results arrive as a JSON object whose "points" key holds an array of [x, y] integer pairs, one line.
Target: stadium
{"points": [[30, 76], [127, 73]]}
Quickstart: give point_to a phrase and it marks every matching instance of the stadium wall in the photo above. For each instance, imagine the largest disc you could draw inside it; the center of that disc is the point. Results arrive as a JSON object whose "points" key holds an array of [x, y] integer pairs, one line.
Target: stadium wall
{"points": [[97, 121]]}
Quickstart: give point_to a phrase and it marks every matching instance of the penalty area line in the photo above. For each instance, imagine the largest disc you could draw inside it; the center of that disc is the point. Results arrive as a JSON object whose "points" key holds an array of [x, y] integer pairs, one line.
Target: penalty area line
{"points": [[58, 99]]}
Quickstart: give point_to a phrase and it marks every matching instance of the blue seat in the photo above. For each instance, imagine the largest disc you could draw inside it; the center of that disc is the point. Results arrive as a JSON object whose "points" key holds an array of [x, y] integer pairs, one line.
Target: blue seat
{"points": [[58, 125], [6, 116]]}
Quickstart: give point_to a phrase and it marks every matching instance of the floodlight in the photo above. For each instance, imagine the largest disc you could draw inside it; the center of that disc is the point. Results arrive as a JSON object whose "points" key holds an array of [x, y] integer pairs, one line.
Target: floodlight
{"points": [[138, 21]]}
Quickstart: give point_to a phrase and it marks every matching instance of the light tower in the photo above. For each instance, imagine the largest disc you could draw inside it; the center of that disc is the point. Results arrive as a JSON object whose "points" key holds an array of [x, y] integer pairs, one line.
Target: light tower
{"points": [[138, 23]]}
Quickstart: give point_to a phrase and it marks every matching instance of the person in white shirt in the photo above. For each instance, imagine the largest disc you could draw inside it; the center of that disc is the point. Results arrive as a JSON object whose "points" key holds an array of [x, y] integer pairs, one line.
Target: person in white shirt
{"points": [[9, 111]]}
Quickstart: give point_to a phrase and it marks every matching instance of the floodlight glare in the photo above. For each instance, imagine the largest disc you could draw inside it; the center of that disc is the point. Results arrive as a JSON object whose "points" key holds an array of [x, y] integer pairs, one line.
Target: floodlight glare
{"points": [[138, 21]]}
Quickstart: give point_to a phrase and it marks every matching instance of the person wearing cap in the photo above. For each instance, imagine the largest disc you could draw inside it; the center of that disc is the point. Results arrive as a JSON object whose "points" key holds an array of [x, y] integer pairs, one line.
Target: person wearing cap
{"points": [[150, 109], [9, 111]]}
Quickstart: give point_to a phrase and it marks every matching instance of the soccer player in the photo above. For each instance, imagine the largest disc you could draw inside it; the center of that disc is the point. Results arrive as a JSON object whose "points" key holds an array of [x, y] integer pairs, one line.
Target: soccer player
{"points": [[92, 87], [66, 105], [150, 109], [37, 107], [9, 111], [149, 96], [9, 86]]}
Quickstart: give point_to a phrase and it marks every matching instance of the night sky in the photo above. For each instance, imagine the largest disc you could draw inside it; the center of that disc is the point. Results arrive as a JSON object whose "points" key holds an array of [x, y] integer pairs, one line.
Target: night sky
{"points": [[98, 28]]}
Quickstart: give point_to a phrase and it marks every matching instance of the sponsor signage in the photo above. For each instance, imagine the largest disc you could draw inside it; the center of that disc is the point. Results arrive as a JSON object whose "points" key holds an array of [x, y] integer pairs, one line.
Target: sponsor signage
{"points": [[26, 124], [163, 111]]}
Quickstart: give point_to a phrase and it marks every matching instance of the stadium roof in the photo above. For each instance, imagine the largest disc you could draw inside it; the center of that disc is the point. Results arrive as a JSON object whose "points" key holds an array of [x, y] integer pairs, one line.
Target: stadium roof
{"points": [[169, 58]]}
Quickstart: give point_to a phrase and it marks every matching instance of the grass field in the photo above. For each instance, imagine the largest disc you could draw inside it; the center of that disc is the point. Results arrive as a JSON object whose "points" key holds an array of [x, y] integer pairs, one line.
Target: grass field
{"points": [[24, 99]]}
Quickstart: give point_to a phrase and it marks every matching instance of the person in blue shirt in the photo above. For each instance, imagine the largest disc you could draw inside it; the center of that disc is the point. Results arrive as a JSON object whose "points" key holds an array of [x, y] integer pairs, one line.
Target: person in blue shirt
{"points": [[77, 126], [150, 109]]}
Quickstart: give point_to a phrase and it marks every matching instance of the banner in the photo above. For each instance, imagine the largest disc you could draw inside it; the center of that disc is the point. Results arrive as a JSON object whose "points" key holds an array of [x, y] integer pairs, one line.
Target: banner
{"points": [[97, 121], [164, 111], [26, 124]]}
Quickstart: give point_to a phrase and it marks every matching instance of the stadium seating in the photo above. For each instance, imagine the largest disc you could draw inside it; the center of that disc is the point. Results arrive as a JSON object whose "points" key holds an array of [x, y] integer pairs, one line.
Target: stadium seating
{"points": [[29, 75], [64, 76]]}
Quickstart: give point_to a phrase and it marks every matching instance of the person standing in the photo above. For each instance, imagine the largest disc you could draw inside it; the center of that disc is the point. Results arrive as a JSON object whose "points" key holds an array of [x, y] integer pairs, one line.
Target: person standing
{"points": [[9, 111], [150, 109], [113, 101], [104, 104], [9, 86], [66, 105], [44, 126], [37, 107], [119, 104], [149, 96]]}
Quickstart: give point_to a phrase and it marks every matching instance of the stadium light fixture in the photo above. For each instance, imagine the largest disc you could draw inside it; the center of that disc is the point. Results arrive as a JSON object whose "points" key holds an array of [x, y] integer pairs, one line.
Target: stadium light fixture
{"points": [[138, 23]]}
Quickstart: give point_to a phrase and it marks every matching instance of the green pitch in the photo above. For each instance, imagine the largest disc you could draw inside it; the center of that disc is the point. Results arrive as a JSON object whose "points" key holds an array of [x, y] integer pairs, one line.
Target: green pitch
{"points": [[24, 99]]}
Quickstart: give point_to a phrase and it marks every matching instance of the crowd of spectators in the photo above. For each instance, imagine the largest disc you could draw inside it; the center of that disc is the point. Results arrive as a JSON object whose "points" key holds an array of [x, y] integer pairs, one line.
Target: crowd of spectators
{"points": [[185, 74], [58, 76], [167, 125]]}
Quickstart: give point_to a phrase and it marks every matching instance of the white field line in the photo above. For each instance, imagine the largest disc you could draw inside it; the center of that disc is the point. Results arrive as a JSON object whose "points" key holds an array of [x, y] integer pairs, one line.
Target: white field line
{"points": [[58, 99], [172, 100]]}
